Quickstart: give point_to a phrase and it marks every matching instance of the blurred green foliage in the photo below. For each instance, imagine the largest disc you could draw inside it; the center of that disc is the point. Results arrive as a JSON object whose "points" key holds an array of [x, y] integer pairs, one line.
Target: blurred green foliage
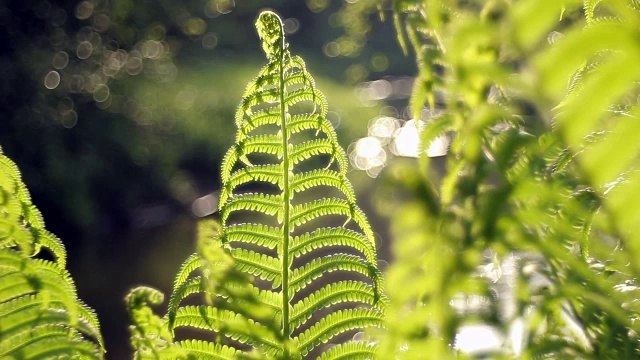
{"points": [[520, 242]]}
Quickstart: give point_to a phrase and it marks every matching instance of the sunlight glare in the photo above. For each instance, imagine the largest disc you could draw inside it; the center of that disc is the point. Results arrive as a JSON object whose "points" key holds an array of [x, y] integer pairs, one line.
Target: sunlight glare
{"points": [[478, 339]]}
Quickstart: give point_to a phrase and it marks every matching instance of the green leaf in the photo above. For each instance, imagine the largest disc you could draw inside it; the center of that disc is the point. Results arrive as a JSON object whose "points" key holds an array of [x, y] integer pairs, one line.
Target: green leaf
{"points": [[337, 323]]}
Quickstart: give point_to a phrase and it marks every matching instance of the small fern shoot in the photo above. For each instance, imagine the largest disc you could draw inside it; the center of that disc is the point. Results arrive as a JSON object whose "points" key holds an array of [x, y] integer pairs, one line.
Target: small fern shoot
{"points": [[266, 279], [40, 314]]}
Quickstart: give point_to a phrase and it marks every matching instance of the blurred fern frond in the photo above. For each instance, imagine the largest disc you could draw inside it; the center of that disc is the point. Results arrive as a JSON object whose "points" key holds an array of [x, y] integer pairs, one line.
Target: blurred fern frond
{"points": [[534, 216], [40, 313]]}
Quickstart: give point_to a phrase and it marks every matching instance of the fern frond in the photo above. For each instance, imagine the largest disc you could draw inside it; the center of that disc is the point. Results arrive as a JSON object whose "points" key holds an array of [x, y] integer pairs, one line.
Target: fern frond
{"points": [[343, 291], [48, 341], [267, 204], [183, 290], [40, 314], [266, 297], [303, 213], [186, 269], [262, 117], [229, 324], [208, 350], [326, 237], [337, 323], [264, 173], [282, 101], [301, 122], [52, 244], [270, 95], [352, 350], [258, 234], [322, 177], [266, 144], [306, 150], [263, 266], [306, 94], [304, 275]]}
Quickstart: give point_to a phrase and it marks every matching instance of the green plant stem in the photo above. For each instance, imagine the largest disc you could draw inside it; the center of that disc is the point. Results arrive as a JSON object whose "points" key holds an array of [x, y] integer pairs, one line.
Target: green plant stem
{"points": [[286, 331]]}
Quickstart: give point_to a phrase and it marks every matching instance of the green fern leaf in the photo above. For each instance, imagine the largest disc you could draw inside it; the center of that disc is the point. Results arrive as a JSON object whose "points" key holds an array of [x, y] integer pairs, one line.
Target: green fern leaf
{"points": [[40, 314], [231, 324], [322, 177], [343, 291], [267, 204], [352, 350], [263, 236], [337, 323], [303, 276], [325, 237], [207, 350], [266, 267]]}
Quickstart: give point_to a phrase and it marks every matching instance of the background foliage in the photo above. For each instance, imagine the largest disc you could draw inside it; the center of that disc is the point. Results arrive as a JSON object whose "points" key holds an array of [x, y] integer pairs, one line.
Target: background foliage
{"points": [[536, 108]]}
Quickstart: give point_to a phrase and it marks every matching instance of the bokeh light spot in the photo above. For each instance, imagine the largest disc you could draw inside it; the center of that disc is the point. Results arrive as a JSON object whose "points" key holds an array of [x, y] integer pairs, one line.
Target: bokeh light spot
{"points": [[317, 5], [407, 139], [194, 26], [383, 127], [60, 60], [477, 339], [84, 10], [291, 26], [368, 147], [134, 65], [204, 206], [438, 147], [356, 73], [209, 41], [76, 84], [69, 119], [101, 22], [367, 154], [334, 118], [379, 62], [84, 50], [554, 37], [152, 49], [331, 49], [52, 80], [101, 93], [225, 6]]}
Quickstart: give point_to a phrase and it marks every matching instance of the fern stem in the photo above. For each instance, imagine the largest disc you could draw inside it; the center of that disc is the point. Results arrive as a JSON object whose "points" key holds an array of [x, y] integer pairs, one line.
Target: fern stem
{"points": [[286, 198]]}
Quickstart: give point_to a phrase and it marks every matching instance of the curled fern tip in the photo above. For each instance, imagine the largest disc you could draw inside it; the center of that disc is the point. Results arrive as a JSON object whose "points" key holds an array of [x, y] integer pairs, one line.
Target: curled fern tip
{"points": [[271, 33]]}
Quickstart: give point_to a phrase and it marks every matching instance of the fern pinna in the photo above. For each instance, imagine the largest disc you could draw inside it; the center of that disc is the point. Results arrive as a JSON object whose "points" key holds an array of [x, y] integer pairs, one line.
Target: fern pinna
{"points": [[287, 149], [40, 314]]}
